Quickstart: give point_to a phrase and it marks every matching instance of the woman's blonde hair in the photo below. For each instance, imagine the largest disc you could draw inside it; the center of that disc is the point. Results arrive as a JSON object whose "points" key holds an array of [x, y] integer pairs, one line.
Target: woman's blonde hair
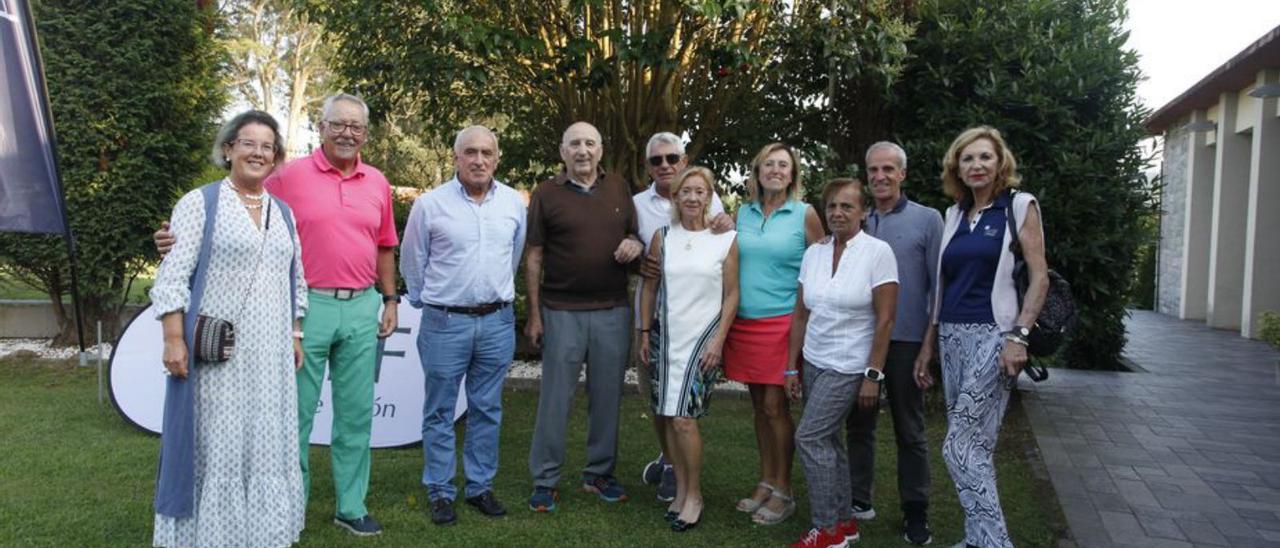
{"points": [[681, 179], [755, 192], [1006, 175]]}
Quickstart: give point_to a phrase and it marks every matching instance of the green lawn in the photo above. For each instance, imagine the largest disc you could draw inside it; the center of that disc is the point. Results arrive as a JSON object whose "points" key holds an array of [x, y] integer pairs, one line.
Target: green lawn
{"points": [[10, 289], [75, 474]]}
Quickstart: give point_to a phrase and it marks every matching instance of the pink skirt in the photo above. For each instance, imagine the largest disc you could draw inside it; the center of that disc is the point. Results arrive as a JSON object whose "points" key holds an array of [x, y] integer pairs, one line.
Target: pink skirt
{"points": [[755, 352]]}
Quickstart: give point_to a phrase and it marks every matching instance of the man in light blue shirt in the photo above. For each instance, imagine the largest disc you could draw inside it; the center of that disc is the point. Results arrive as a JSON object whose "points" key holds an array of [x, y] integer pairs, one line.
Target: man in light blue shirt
{"points": [[461, 247]]}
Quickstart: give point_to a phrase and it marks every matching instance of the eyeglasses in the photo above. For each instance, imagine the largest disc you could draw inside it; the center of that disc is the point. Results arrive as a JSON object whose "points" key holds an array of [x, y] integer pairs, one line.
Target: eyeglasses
{"points": [[246, 144], [656, 161], [337, 128]]}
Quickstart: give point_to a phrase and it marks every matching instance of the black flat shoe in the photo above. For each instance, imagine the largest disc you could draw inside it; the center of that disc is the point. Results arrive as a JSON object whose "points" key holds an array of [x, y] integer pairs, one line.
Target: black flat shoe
{"points": [[680, 526], [671, 516]]}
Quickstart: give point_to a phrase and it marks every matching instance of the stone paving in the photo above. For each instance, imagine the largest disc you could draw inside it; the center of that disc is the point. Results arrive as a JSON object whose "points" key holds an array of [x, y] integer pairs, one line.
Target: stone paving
{"points": [[1184, 454]]}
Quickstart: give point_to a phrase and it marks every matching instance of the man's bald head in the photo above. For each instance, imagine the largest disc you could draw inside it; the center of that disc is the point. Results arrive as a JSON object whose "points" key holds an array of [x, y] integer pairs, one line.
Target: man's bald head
{"points": [[580, 148]]}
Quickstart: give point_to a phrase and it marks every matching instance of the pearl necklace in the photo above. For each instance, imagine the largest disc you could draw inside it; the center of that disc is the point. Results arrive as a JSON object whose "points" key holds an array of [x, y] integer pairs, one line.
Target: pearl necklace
{"points": [[243, 196]]}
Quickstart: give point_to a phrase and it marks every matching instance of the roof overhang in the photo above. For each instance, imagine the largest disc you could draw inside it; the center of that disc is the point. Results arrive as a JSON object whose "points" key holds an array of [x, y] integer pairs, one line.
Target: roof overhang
{"points": [[1238, 73]]}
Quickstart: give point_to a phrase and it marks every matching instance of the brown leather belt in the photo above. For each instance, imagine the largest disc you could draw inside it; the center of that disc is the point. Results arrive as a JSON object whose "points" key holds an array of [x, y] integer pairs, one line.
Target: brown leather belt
{"points": [[478, 310]]}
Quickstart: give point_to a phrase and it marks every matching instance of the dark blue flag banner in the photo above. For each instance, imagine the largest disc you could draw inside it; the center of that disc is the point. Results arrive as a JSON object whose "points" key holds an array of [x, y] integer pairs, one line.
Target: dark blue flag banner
{"points": [[30, 190]]}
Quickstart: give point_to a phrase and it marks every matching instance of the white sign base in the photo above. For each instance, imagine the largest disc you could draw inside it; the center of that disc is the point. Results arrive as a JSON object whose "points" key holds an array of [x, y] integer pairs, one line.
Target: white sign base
{"points": [[137, 383]]}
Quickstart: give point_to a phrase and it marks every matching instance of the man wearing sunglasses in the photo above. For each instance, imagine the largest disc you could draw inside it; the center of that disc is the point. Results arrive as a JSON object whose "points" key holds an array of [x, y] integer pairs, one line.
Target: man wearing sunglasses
{"points": [[664, 159]]}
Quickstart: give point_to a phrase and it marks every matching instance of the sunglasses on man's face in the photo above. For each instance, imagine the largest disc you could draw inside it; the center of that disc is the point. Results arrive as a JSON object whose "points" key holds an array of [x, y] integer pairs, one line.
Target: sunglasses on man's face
{"points": [[656, 161]]}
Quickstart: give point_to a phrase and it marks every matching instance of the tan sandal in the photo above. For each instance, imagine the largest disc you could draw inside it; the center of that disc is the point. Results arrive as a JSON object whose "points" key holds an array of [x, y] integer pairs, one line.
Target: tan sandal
{"points": [[767, 516], [750, 505]]}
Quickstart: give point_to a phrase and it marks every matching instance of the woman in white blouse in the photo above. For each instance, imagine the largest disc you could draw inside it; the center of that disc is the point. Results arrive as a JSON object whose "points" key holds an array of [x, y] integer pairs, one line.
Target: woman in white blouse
{"points": [[840, 334]]}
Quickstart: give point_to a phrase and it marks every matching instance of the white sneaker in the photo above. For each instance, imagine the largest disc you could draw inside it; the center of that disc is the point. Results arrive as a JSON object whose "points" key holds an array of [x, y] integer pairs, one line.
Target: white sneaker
{"points": [[863, 512]]}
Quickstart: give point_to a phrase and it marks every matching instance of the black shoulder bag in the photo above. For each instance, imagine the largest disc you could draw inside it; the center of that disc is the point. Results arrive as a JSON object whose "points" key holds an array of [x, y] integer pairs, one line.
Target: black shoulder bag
{"points": [[1058, 315]]}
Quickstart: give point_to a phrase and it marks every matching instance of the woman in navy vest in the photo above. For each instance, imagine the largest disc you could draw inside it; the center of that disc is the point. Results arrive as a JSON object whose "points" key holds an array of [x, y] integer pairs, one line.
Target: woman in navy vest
{"points": [[981, 332]]}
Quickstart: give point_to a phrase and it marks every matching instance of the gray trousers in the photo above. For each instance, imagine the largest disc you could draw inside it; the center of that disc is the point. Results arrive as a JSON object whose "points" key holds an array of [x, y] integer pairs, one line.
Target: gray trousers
{"points": [[828, 397], [906, 406], [601, 338]]}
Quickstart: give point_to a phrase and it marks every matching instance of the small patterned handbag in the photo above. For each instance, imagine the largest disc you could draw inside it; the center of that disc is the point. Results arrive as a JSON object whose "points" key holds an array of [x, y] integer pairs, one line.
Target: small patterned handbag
{"points": [[215, 339]]}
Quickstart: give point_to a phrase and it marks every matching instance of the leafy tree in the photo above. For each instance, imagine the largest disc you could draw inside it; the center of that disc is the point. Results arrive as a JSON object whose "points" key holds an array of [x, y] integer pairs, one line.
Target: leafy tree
{"points": [[631, 68], [826, 90], [133, 87], [829, 76], [275, 50], [1055, 77]]}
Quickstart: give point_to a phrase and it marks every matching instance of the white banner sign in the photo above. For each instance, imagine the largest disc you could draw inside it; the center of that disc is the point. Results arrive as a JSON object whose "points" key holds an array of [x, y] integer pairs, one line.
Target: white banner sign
{"points": [[137, 383]]}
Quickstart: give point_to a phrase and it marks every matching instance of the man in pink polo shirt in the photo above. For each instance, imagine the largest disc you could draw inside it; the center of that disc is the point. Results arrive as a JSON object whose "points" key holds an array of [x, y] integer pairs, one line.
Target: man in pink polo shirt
{"points": [[343, 211]]}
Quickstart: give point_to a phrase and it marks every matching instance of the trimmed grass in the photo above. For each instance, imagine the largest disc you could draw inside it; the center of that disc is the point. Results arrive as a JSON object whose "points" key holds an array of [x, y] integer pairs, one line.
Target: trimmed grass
{"points": [[76, 474], [10, 289]]}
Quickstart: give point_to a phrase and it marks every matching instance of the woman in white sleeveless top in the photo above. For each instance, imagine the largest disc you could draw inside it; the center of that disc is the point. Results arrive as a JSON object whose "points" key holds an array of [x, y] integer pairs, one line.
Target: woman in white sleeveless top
{"points": [[696, 300]]}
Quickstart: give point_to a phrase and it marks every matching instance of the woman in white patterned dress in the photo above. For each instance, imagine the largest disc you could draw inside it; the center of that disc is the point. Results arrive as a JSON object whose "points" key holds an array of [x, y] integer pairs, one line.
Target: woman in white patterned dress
{"points": [[241, 485], [696, 299]]}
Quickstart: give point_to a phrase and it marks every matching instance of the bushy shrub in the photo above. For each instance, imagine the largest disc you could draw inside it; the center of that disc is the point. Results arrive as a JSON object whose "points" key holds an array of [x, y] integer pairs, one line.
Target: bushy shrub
{"points": [[1270, 330], [134, 89], [1055, 77]]}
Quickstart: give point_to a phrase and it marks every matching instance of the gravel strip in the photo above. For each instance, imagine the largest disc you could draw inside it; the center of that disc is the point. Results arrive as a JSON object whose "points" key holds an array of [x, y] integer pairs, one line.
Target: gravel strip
{"points": [[40, 348]]}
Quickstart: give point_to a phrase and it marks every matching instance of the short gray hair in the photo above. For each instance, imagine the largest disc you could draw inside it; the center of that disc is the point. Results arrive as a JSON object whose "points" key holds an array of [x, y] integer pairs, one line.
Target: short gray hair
{"points": [[902, 154], [230, 131], [457, 141], [340, 96], [664, 138]]}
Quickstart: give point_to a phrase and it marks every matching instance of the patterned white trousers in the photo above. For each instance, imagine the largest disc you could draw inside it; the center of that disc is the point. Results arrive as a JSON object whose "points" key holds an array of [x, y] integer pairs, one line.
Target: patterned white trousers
{"points": [[977, 393]]}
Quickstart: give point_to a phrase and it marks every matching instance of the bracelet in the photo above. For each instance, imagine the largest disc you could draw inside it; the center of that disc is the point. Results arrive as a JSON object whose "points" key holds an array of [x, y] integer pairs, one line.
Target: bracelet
{"points": [[1015, 338], [791, 372], [297, 334]]}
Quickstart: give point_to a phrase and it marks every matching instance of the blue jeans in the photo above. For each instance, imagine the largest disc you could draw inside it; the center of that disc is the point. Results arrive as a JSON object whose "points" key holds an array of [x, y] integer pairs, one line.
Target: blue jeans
{"points": [[479, 348]]}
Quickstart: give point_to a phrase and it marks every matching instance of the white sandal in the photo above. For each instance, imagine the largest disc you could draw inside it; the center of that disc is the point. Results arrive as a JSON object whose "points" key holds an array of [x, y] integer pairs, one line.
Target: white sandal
{"points": [[766, 516], [749, 505]]}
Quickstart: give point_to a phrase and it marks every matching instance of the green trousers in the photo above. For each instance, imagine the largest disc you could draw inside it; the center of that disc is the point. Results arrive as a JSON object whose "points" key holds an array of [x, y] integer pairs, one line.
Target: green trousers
{"points": [[344, 335]]}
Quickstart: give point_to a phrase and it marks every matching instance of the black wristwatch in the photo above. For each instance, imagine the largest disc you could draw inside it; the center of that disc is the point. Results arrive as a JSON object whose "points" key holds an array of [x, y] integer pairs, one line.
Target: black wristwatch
{"points": [[1023, 332], [391, 298]]}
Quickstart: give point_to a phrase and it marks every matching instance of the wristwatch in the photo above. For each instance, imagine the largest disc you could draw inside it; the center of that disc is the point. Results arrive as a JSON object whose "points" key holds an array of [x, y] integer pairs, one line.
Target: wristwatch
{"points": [[1019, 335], [390, 298], [873, 374]]}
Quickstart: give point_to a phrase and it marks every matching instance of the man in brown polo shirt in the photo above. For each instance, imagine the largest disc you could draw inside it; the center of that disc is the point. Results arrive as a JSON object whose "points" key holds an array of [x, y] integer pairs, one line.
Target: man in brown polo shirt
{"points": [[581, 237]]}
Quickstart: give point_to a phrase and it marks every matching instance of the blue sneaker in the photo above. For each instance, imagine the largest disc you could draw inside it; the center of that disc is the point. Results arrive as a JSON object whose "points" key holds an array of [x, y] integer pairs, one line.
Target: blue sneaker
{"points": [[362, 527], [667, 487], [652, 473], [606, 487], [543, 499]]}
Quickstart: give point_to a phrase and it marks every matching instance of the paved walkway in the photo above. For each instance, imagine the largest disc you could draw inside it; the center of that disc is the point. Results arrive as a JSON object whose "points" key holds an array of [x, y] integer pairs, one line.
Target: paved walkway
{"points": [[1184, 454]]}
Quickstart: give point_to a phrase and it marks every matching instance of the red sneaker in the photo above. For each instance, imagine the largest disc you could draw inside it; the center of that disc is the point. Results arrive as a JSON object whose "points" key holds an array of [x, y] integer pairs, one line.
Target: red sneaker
{"points": [[822, 538], [849, 529]]}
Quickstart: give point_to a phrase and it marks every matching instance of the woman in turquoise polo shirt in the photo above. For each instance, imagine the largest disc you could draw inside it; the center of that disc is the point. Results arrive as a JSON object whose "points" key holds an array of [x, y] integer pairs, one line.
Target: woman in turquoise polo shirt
{"points": [[774, 228]]}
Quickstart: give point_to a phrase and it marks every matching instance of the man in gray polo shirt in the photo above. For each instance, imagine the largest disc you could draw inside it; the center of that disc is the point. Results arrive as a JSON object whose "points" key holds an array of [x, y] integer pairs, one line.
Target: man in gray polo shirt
{"points": [[914, 232]]}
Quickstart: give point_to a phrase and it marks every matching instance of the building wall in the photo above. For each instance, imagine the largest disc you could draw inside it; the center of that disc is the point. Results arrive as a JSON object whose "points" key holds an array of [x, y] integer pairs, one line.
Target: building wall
{"points": [[1173, 200]]}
